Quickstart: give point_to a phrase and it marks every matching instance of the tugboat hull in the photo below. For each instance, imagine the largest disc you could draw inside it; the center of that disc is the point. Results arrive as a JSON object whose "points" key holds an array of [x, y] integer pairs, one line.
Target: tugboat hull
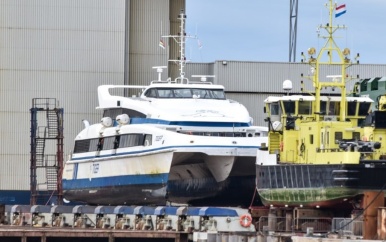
{"points": [[317, 185]]}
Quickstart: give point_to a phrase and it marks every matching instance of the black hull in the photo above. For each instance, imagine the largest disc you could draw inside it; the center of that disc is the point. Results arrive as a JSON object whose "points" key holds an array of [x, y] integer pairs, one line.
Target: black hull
{"points": [[318, 185], [119, 195]]}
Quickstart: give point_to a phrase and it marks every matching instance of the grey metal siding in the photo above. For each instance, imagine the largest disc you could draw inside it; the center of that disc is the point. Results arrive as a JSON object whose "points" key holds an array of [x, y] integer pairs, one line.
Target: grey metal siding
{"points": [[53, 49], [149, 20]]}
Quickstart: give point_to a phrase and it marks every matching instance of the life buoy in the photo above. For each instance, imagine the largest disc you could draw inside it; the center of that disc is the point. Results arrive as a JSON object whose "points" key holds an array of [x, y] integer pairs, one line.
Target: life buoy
{"points": [[245, 220]]}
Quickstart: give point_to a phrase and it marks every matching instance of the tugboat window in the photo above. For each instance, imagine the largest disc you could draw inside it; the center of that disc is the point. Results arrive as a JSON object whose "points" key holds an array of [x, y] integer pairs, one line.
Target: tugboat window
{"points": [[305, 107], [364, 109], [334, 108], [338, 137], [289, 107], [351, 108], [356, 135], [274, 108]]}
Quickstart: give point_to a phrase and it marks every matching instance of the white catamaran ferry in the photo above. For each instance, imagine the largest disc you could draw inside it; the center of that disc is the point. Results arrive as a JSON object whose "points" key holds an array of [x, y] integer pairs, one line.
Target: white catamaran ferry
{"points": [[178, 141]]}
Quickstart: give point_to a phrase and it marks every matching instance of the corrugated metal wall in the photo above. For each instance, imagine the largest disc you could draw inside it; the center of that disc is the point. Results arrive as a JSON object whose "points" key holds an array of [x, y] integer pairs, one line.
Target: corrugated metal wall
{"points": [[53, 49], [149, 20]]}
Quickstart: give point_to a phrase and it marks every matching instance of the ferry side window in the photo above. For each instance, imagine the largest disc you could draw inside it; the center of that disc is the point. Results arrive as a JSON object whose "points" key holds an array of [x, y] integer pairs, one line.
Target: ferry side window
{"points": [[130, 140], [108, 143], [148, 140], [94, 144], [82, 146]]}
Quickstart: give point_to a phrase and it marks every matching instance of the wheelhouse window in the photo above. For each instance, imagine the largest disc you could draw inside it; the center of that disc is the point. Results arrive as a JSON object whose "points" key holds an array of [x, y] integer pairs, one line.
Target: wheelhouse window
{"points": [[364, 109], [305, 107], [351, 108], [274, 108], [185, 93], [333, 108], [289, 107]]}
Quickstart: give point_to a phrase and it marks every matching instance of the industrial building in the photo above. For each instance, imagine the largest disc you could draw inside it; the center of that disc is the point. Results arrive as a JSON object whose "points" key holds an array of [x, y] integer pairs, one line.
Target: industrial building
{"points": [[65, 49]]}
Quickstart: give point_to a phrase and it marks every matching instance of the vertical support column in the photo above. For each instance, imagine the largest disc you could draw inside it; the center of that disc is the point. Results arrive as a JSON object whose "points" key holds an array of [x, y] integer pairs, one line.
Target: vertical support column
{"points": [[371, 201], [272, 219], [33, 131], [288, 220], [111, 237], [59, 155]]}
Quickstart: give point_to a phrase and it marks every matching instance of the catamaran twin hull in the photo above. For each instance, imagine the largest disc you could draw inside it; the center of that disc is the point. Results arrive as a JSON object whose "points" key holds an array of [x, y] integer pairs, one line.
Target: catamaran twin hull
{"points": [[318, 185], [197, 175]]}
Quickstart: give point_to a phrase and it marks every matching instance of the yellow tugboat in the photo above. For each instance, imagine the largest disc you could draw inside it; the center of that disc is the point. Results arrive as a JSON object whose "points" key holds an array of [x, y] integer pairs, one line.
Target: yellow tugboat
{"points": [[322, 150]]}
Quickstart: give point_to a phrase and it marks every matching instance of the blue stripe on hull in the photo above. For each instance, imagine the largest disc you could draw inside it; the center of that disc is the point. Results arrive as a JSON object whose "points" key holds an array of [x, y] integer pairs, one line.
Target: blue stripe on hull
{"points": [[11, 197], [95, 183]]}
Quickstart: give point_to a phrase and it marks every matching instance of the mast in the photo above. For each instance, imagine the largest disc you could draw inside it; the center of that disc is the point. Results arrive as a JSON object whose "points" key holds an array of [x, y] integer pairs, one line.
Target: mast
{"points": [[180, 39], [330, 55]]}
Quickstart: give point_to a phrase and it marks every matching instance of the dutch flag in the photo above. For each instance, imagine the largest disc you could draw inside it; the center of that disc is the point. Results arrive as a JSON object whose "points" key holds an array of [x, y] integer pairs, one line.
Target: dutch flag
{"points": [[341, 9]]}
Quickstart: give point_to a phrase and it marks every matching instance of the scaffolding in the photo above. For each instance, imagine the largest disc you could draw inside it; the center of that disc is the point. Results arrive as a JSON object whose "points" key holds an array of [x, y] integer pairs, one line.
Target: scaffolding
{"points": [[46, 152]]}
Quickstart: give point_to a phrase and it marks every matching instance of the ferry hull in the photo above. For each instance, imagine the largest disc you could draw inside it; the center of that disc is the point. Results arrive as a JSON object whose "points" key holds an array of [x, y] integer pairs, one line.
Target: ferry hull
{"points": [[190, 183], [149, 194]]}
